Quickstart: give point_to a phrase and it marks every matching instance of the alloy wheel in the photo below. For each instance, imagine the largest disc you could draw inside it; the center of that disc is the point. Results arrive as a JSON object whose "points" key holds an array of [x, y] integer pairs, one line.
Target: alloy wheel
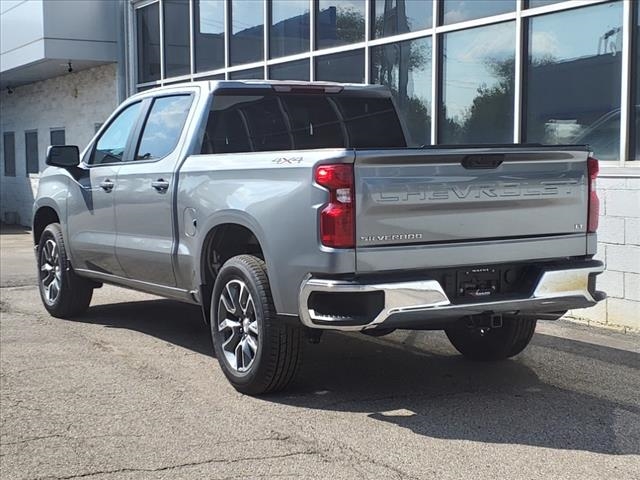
{"points": [[238, 325], [50, 271]]}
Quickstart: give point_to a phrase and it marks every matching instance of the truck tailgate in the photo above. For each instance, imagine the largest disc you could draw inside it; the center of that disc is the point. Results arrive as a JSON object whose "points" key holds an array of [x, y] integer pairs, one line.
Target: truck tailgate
{"points": [[411, 202]]}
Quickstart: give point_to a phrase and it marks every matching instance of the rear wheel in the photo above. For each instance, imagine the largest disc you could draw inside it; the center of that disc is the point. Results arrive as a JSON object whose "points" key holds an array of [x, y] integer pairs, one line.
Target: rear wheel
{"points": [[64, 294], [257, 352], [485, 343]]}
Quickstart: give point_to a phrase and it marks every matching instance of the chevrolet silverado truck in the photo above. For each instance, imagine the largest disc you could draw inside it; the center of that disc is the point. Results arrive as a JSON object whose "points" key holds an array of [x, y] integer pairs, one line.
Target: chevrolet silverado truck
{"points": [[286, 209]]}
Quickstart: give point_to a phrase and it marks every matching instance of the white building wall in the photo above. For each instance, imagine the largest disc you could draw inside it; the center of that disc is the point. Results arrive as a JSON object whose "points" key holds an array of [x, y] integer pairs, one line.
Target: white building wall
{"points": [[75, 102], [619, 249]]}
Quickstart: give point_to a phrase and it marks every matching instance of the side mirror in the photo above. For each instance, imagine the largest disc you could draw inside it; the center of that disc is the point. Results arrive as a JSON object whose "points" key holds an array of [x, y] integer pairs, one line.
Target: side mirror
{"points": [[64, 156]]}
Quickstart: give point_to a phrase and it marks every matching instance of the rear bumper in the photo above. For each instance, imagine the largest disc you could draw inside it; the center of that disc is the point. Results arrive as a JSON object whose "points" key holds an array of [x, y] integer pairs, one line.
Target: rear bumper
{"points": [[424, 303]]}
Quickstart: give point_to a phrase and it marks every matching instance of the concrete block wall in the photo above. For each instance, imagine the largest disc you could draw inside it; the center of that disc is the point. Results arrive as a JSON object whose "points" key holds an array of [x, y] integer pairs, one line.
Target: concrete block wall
{"points": [[75, 102], [619, 249]]}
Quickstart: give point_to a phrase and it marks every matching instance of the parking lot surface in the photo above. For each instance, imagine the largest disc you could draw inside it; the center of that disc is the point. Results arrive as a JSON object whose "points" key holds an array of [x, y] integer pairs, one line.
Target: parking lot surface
{"points": [[131, 390]]}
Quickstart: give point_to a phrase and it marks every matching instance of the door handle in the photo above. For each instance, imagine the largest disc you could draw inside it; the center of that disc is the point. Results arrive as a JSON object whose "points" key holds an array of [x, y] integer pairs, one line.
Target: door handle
{"points": [[107, 185], [160, 185]]}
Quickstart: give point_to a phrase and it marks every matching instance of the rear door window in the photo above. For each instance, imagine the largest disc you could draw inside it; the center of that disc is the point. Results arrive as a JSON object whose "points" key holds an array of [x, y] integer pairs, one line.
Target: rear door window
{"points": [[163, 127]]}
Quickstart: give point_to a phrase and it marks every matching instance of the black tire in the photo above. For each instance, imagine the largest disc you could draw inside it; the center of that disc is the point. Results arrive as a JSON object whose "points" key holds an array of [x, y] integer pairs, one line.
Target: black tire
{"points": [[495, 343], [74, 293], [278, 345]]}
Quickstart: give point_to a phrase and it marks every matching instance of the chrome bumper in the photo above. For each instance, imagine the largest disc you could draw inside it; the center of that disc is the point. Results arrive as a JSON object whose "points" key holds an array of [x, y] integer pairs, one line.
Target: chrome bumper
{"points": [[420, 302]]}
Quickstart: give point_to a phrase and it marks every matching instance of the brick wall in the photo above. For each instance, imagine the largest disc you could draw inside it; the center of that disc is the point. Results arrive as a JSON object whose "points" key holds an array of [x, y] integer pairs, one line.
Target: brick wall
{"points": [[619, 249], [75, 102]]}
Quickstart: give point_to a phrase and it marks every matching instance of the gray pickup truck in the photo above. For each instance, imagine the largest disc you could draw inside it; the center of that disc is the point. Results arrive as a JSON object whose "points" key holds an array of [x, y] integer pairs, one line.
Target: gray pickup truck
{"points": [[285, 209]]}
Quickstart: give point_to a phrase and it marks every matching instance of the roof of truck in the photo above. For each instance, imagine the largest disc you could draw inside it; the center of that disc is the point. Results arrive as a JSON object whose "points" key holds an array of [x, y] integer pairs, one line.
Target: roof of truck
{"points": [[211, 85]]}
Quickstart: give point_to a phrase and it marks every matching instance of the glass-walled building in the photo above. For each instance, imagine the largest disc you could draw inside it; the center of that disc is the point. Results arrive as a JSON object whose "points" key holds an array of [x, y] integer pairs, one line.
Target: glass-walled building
{"points": [[462, 71]]}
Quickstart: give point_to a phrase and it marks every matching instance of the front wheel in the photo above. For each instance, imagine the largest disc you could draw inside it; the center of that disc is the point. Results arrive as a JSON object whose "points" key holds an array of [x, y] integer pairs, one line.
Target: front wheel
{"points": [[507, 341], [257, 352], [64, 294]]}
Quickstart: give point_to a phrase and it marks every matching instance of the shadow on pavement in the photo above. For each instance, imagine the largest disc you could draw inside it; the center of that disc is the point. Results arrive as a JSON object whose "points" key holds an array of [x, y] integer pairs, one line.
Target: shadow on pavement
{"points": [[174, 322], [436, 395], [12, 229]]}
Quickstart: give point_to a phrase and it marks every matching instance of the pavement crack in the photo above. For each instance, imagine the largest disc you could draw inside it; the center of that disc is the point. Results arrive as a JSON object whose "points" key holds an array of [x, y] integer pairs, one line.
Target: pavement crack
{"points": [[177, 466]]}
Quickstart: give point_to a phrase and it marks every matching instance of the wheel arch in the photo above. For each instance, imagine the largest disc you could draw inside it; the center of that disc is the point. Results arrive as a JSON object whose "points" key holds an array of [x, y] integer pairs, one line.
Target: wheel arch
{"points": [[44, 215], [225, 238]]}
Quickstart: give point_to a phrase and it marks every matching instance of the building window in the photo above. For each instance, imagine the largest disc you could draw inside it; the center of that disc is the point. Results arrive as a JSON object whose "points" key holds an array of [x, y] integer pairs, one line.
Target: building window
{"points": [[477, 85], [298, 70], [209, 34], [247, 27], [217, 76], [573, 79], [31, 151], [542, 3], [635, 103], [347, 67], [392, 17], [176, 38], [148, 37], [405, 67], [339, 22], [248, 74], [454, 11], [9, 149], [289, 31], [57, 136]]}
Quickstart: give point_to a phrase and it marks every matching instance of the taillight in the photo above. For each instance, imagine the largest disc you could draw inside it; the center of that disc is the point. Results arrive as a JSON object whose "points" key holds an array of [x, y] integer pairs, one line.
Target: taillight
{"points": [[336, 218], [594, 201]]}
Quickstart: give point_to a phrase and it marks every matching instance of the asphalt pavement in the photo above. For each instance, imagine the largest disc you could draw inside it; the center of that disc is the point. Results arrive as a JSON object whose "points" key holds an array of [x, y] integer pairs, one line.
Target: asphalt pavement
{"points": [[131, 390]]}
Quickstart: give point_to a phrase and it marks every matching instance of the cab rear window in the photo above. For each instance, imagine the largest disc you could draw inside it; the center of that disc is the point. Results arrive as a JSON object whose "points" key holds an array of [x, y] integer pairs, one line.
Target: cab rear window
{"points": [[255, 122]]}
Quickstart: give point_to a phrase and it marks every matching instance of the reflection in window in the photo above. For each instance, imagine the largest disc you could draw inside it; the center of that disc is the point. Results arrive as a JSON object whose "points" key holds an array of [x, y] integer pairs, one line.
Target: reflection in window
{"points": [[573, 78], [248, 74], [477, 85], [455, 11], [289, 33], [298, 70], [209, 34], [392, 17], [339, 22], [405, 67], [176, 38], [347, 67], [163, 127], [148, 32], [113, 141], [247, 25], [218, 76]]}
